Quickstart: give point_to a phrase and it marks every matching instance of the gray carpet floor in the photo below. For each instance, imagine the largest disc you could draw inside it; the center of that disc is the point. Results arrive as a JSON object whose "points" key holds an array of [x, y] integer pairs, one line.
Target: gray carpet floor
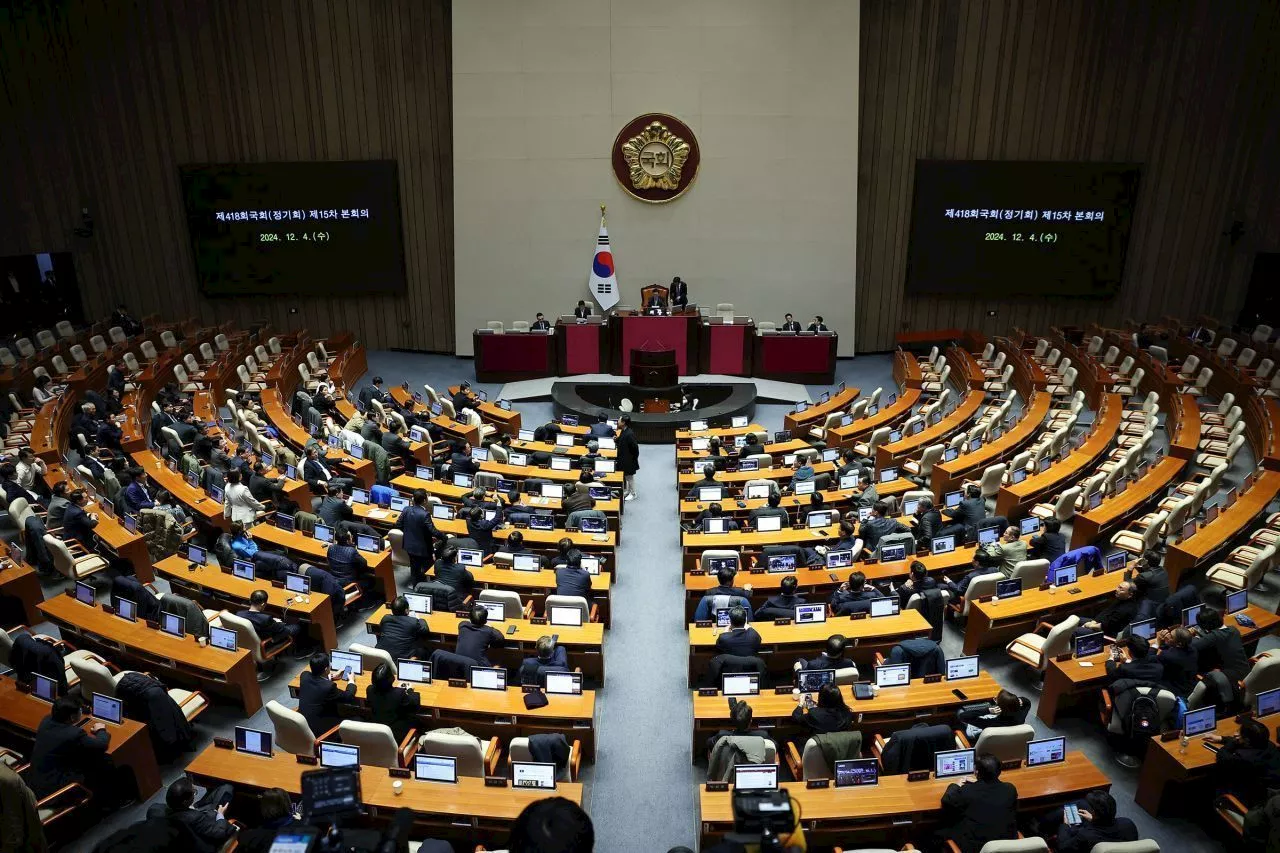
{"points": [[641, 792]]}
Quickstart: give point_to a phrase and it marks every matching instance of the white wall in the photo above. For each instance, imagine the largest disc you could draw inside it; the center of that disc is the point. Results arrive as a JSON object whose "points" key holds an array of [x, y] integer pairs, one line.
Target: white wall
{"points": [[542, 87]]}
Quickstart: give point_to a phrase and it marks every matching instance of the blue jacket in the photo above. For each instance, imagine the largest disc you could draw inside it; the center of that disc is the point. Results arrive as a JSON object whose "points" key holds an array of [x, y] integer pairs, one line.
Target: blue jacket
{"points": [[244, 548], [346, 563], [137, 497], [1088, 556]]}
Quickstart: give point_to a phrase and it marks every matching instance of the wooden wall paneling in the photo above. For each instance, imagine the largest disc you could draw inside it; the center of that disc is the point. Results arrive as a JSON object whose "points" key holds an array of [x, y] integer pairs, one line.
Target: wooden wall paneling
{"points": [[1188, 89], [106, 99]]}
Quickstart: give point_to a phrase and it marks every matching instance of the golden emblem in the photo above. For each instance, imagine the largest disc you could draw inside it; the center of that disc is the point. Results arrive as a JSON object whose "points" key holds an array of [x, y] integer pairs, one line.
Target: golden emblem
{"points": [[655, 157]]}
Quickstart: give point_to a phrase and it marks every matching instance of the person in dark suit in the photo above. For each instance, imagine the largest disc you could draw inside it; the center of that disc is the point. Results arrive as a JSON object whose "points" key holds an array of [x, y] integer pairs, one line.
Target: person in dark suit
{"points": [[1117, 615], [551, 657], [879, 525], [572, 579], [268, 627], [1007, 709], [539, 324], [333, 510], [1179, 662], [1219, 646], [137, 496], [419, 535], [847, 596], [463, 399], [401, 634], [601, 428], [740, 639], [1142, 665], [773, 510], [1049, 545], [928, 523], [206, 819], [655, 303], [789, 324], [316, 472], [450, 572], [262, 487], [275, 812], [679, 293], [78, 524], [980, 809], [628, 457], [818, 325], [1098, 824], [783, 605], [1248, 765], [582, 310], [969, 512], [375, 391], [393, 441], [831, 714], [724, 586], [393, 707], [831, 658], [64, 752], [918, 580], [319, 697], [715, 510], [347, 564], [476, 637], [481, 529]]}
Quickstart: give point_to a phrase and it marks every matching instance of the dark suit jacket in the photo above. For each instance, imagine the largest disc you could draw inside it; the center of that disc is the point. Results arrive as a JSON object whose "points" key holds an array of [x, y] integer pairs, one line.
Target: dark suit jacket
{"points": [[333, 511], [474, 642], [1180, 667], [628, 452], [393, 708], [978, 812], [403, 636], [77, 525], [210, 833], [267, 626], [318, 701], [1147, 669], [1223, 649], [873, 529], [969, 513], [793, 326], [744, 642], [419, 531], [779, 607], [1082, 838], [346, 563], [582, 311], [63, 754], [822, 720], [571, 581], [1048, 546], [455, 575], [680, 293]]}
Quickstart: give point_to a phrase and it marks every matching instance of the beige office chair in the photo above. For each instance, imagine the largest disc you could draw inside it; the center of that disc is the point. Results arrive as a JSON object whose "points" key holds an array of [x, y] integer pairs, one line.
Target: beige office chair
{"points": [[1063, 508], [512, 607], [1244, 568], [1032, 572], [718, 554], [724, 310], [1264, 676], [809, 764], [378, 747], [924, 467], [992, 477], [1145, 845], [519, 325], [66, 330], [519, 750], [220, 341], [399, 557], [980, 587], [1137, 541], [98, 344], [1007, 743], [370, 657], [1203, 378], [117, 335], [1037, 651], [293, 732], [264, 654], [589, 612], [75, 565], [495, 326], [474, 757], [868, 448], [98, 676]]}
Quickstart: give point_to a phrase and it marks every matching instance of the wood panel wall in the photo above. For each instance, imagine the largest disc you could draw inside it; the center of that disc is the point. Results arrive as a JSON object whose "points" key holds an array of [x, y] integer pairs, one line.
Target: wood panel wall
{"points": [[1188, 88], [101, 100]]}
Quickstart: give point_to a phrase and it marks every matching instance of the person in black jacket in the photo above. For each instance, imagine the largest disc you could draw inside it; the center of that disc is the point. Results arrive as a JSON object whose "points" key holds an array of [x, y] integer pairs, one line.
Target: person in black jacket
{"points": [[572, 579], [848, 596], [628, 457], [1117, 615], [78, 524], [1007, 709], [275, 811], [741, 715], [267, 626], [928, 523], [879, 525], [918, 580], [393, 707], [832, 658], [831, 714], [476, 637], [1098, 824], [1152, 580], [740, 639], [1219, 647], [980, 809], [1049, 545], [481, 529], [1142, 665], [419, 535], [1248, 765], [969, 512], [450, 572], [333, 510], [1180, 663], [401, 634], [206, 819], [319, 697], [65, 753], [783, 605], [774, 509]]}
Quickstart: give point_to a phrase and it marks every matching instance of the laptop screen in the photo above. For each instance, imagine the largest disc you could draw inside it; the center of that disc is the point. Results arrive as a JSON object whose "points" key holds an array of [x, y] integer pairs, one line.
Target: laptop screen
{"points": [[359, 496], [943, 544], [1237, 601], [1269, 702], [755, 777], [893, 553], [443, 512], [812, 680], [960, 668], [552, 490], [243, 569], [952, 499], [497, 610], [399, 504], [1047, 751], [558, 463], [196, 554], [533, 774], [808, 613], [888, 475], [953, 762], [339, 755], [805, 487], [364, 542], [435, 768], [1144, 628], [715, 525], [910, 507], [740, 684], [857, 771], [757, 492], [782, 563], [253, 741], [485, 678], [126, 609], [530, 563], [422, 472], [839, 559], [710, 493], [987, 535], [284, 522], [297, 583], [1089, 644], [1201, 721], [1064, 575], [1191, 615], [715, 564], [340, 661], [820, 518], [1009, 588], [416, 671], [418, 603], [565, 616], [107, 709], [1030, 524], [222, 638], [43, 687], [884, 607], [893, 675], [589, 562], [592, 525], [768, 524], [171, 623], [84, 593], [1116, 561], [470, 557], [463, 481], [564, 683]]}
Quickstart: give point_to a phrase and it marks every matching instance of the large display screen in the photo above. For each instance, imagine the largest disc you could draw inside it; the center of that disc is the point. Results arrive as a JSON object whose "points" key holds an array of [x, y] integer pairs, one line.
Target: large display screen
{"points": [[295, 228], [1009, 229]]}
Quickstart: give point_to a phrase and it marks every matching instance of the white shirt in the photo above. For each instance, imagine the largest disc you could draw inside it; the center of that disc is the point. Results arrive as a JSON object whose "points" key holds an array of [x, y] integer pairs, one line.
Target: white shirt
{"points": [[27, 473], [239, 504]]}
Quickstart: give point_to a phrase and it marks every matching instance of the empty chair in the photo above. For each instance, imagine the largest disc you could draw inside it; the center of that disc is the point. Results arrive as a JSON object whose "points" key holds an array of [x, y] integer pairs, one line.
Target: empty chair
{"points": [[169, 339], [924, 468], [1142, 845], [1202, 381], [1126, 365], [1160, 354], [117, 335], [1243, 568], [273, 345], [1189, 368], [766, 326], [1261, 334], [868, 448], [1226, 348], [1131, 386], [78, 354], [1144, 538], [1110, 356], [997, 386], [1264, 676], [185, 382], [992, 477], [371, 656], [60, 365], [207, 353], [6, 357], [1032, 572], [1247, 355], [25, 348], [76, 565], [587, 612], [724, 310], [45, 338], [66, 330], [98, 344], [520, 325], [293, 732], [148, 350], [1036, 651], [495, 326], [1264, 369], [512, 607], [474, 757], [378, 747], [1007, 743]]}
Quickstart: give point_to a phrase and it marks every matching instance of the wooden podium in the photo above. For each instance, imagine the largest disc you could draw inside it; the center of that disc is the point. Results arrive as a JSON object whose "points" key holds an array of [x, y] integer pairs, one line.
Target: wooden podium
{"points": [[654, 368]]}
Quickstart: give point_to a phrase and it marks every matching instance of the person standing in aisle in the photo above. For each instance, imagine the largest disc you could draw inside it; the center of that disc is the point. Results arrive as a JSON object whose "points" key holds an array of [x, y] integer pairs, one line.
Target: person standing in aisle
{"points": [[628, 458]]}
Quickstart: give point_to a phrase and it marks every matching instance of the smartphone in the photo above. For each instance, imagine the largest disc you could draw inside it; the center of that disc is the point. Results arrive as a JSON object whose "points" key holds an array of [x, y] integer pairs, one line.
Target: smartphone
{"points": [[960, 694], [511, 629], [346, 673]]}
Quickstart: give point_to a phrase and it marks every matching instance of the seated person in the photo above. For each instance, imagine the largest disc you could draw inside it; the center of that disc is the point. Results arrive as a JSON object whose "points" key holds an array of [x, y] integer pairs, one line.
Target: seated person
{"points": [[741, 715], [772, 510], [347, 564], [476, 637], [1117, 615], [1098, 824], [724, 586], [242, 544], [206, 819], [927, 522], [1248, 765], [865, 495], [551, 657], [1049, 545], [708, 480], [789, 324], [539, 324], [918, 580], [741, 639], [829, 714], [831, 658], [450, 572], [656, 304], [1012, 550], [854, 595], [565, 551], [582, 310], [319, 697], [1152, 581], [879, 525], [1007, 709], [572, 579], [971, 510], [783, 605], [402, 634], [715, 510], [64, 752], [1143, 665], [267, 626], [1219, 646], [392, 706], [979, 809], [1179, 662], [803, 471], [818, 324]]}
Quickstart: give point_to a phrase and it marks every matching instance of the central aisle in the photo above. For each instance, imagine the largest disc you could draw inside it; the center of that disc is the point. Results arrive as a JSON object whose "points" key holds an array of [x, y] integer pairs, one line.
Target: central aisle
{"points": [[644, 801]]}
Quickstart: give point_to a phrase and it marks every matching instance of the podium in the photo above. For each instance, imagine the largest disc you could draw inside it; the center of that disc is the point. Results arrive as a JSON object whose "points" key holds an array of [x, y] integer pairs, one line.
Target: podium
{"points": [[654, 368]]}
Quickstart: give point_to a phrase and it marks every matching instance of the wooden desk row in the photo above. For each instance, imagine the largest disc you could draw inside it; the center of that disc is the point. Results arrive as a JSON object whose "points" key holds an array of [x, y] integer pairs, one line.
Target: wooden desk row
{"points": [[454, 495], [816, 414], [996, 622]]}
